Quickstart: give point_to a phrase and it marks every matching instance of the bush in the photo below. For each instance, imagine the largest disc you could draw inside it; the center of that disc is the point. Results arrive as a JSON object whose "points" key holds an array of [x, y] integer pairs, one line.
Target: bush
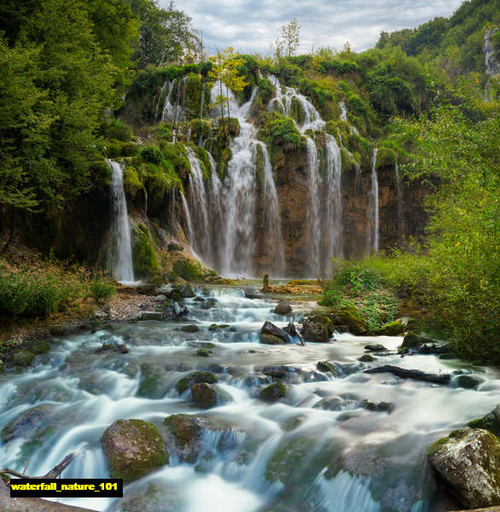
{"points": [[101, 289]]}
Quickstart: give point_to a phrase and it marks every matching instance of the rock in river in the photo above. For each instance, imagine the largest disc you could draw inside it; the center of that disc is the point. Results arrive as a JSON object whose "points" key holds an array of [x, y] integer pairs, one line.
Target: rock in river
{"points": [[468, 461], [133, 448], [270, 334]]}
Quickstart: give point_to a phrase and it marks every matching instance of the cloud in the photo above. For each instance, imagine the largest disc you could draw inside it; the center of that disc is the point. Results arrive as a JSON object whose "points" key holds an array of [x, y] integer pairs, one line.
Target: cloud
{"points": [[252, 26]]}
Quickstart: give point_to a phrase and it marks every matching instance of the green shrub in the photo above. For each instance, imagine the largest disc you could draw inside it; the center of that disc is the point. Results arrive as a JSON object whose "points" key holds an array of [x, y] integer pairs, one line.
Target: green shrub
{"points": [[190, 270], [101, 289]]}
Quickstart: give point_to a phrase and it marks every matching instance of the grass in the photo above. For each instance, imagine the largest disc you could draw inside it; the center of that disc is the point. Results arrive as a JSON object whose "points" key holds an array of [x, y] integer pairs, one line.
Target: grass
{"points": [[40, 289]]}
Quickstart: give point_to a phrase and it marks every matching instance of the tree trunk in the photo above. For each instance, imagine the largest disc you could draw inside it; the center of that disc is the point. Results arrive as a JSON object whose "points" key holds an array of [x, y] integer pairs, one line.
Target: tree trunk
{"points": [[11, 231]]}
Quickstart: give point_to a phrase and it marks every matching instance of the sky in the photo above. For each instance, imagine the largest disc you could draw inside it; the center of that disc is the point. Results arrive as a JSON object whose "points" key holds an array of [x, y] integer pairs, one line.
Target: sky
{"points": [[252, 26]]}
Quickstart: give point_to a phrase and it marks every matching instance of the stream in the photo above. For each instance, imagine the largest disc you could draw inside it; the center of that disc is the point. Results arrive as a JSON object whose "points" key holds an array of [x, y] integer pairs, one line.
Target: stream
{"points": [[345, 442]]}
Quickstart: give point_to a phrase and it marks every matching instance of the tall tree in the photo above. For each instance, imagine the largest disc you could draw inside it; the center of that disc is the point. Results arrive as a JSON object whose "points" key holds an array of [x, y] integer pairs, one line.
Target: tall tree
{"points": [[288, 43]]}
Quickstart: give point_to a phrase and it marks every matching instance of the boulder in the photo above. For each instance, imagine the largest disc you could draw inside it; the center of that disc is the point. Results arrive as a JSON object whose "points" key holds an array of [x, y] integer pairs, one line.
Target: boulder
{"points": [[490, 422], [392, 329], [467, 381], [350, 317], [252, 293], [203, 394], [23, 357], [133, 448], [411, 340], [326, 366], [186, 382], [366, 358], [283, 308], [330, 404], [273, 392], [26, 424], [190, 328], [375, 347], [370, 405], [270, 333], [317, 329], [468, 461]]}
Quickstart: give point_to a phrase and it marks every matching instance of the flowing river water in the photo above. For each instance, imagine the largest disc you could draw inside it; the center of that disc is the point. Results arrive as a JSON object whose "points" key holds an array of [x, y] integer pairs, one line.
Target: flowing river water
{"points": [[324, 447]]}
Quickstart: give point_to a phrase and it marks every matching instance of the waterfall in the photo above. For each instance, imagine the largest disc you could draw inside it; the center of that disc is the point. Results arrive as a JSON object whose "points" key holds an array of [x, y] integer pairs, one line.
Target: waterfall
{"points": [[491, 64], [187, 215], [401, 213], [198, 206], [333, 224], [314, 207], [174, 110], [373, 209], [273, 239], [120, 255], [240, 194]]}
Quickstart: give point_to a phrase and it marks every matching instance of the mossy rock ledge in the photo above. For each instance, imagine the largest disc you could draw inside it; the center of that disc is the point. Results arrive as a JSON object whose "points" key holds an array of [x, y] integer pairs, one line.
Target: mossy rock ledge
{"points": [[133, 448], [468, 462]]}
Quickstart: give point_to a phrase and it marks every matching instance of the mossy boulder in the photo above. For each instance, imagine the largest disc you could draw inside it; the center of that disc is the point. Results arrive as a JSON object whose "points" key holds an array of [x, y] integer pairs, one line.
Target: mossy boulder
{"points": [[490, 422], [326, 366], [26, 424], [204, 395], [133, 448], [40, 347], [190, 328], [186, 382], [467, 381], [270, 334], [144, 254], [468, 462], [392, 329], [412, 340], [23, 358], [353, 319], [317, 329], [273, 392]]}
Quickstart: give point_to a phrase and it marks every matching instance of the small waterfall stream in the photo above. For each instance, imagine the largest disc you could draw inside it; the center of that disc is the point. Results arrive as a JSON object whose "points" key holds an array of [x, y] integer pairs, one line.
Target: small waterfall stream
{"points": [[318, 447], [120, 252], [373, 209], [491, 64]]}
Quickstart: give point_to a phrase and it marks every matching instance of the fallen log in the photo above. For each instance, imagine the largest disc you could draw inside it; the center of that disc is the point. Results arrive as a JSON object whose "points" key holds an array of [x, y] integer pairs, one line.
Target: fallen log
{"points": [[8, 504], [411, 374]]}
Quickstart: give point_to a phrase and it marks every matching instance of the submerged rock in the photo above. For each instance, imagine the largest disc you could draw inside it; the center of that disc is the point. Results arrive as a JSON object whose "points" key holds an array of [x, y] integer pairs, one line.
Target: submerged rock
{"points": [[370, 405], [326, 366], [375, 347], [283, 308], [270, 334], [468, 381], [190, 328], [133, 448], [26, 424], [152, 315], [468, 461]]}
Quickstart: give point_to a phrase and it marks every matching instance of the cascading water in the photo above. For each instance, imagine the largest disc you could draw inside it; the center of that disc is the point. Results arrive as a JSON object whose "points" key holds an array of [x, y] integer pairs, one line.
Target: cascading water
{"points": [[321, 446], [314, 207], [401, 211], [120, 250], [240, 195], [333, 224], [198, 207], [491, 64], [373, 209]]}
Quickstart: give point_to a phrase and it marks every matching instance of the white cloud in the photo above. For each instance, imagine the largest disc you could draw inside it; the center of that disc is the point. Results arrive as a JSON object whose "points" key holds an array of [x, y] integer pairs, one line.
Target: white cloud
{"points": [[252, 26]]}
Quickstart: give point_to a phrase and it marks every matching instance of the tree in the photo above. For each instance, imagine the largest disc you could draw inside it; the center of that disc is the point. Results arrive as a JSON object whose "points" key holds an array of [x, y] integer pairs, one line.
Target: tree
{"points": [[226, 73], [166, 35], [288, 43]]}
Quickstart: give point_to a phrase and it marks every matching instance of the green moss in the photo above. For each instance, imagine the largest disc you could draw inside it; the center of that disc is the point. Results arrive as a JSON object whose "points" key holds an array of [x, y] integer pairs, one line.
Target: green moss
{"points": [[185, 383], [40, 347], [392, 328], [190, 328], [147, 441], [325, 366], [187, 269], [289, 456], [202, 352], [144, 255], [273, 392], [23, 358], [131, 181]]}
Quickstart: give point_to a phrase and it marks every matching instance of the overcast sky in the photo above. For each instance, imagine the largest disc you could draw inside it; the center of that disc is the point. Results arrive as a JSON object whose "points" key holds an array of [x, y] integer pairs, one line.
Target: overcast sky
{"points": [[252, 26]]}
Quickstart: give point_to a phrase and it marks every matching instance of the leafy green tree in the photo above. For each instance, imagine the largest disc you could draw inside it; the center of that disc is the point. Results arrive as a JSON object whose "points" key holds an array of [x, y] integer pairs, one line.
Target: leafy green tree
{"points": [[226, 72], [166, 35]]}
